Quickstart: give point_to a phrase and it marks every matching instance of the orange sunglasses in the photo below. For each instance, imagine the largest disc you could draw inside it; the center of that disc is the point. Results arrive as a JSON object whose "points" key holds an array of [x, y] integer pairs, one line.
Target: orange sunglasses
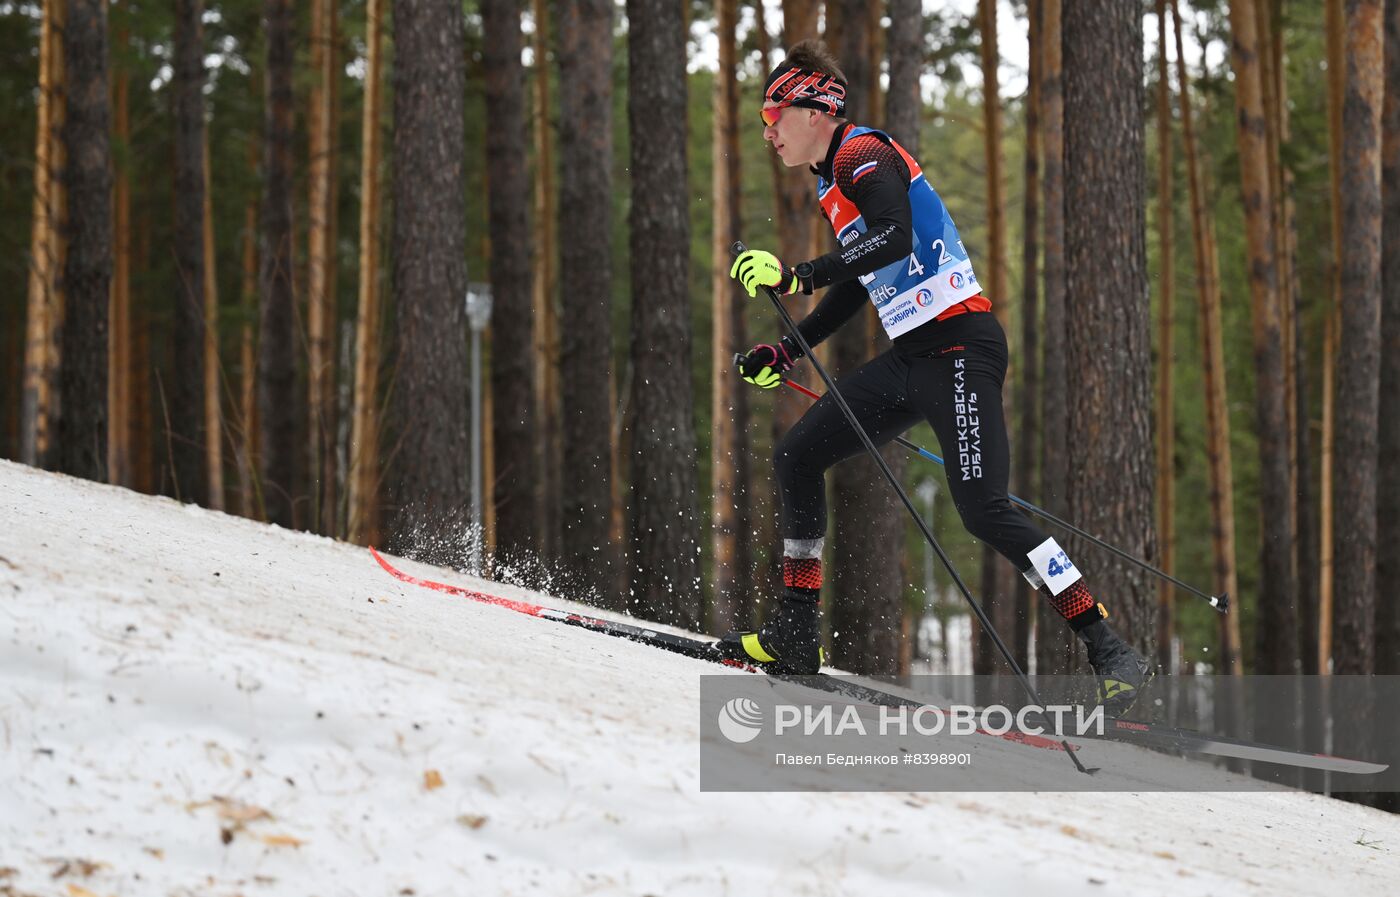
{"points": [[771, 114]]}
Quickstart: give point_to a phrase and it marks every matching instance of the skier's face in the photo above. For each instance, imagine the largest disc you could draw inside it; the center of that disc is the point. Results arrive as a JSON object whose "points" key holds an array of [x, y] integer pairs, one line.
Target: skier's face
{"points": [[792, 132]]}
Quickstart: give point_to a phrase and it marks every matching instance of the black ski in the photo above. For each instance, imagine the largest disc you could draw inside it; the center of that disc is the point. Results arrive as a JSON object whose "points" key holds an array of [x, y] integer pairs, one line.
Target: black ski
{"points": [[1160, 736]]}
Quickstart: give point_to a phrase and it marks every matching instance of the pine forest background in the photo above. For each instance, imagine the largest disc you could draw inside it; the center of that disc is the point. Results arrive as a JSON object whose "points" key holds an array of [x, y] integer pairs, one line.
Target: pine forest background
{"points": [[280, 331]]}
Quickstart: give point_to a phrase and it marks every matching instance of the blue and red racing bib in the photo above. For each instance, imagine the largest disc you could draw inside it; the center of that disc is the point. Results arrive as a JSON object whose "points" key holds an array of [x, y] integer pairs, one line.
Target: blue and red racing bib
{"points": [[933, 278]]}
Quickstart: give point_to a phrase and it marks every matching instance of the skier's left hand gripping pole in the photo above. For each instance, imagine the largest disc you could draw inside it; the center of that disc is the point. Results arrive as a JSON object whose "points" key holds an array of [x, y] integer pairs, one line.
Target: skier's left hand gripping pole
{"points": [[981, 615]]}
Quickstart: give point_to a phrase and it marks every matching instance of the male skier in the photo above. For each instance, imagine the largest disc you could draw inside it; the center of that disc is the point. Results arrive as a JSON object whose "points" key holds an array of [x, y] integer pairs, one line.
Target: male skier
{"points": [[901, 251]]}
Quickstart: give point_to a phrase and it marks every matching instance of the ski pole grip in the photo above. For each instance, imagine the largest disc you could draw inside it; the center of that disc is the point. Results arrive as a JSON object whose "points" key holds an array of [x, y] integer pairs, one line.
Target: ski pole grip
{"points": [[738, 248]]}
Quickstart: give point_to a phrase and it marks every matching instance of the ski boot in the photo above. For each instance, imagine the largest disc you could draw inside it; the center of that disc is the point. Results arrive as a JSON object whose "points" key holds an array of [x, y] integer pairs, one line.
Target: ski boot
{"points": [[1121, 671], [789, 644]]}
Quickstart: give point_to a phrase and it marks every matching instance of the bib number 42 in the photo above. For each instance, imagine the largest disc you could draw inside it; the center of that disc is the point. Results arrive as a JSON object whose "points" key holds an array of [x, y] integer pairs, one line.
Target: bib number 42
{"points": [[1053, 566], [1059, 565]]}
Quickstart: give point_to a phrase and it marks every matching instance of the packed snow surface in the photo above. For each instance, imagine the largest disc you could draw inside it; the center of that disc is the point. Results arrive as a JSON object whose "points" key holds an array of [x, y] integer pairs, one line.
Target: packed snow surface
{"points": [[193, 703]]}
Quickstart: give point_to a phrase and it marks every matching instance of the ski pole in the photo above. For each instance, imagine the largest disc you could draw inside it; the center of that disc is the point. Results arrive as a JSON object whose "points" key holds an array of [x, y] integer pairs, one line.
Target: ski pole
{"points": [[977, 610], [1220, 602]]}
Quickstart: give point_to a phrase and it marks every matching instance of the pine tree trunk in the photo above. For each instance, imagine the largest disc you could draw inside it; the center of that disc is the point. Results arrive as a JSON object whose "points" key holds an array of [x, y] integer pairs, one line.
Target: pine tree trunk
{"points": [[1284, 655], [185, 388], [1220, 469], [664, 534], [1023, 477], [11, 377], [1278, 592], [800, 20], [1166, 303], [87, 270], [143, 427], [276, 343], [1110, 485], [549, 458], [1276, 629], [849, 482], [363, 477], [333, 445], [1306, 498], [428, 405], [1387, 640], [793, 218], [1336, 90], [512, 333], [874, 100], [796, 216], [1273, 650], [867, 583], [889, 620], [903, 119], [729, 455], [619, 447], [44, 311], [488, 470], [119, 344], [1358, 372], [584, 35], [866, 603], [249, 504], [903, 101], [213, 370], [999, 292], [320, 276], [1306, 501], [1056, 649], [1388, 498], [999, 579], [1294, 346]]}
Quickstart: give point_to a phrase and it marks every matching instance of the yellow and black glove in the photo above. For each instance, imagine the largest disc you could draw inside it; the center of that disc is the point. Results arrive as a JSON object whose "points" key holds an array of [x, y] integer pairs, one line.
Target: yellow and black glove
{"points": [[765, 364], [755, 268]]}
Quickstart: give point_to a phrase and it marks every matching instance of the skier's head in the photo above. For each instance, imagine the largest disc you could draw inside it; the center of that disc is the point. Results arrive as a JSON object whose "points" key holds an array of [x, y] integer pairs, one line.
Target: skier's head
{"points": [[804, 101]]}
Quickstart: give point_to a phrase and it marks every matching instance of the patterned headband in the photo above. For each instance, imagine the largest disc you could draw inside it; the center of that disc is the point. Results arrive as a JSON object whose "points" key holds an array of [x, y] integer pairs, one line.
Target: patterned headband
{"points": [[796, 86]]}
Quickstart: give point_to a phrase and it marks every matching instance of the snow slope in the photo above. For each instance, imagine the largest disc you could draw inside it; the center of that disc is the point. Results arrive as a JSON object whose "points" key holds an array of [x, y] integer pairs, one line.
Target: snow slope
{"points": [[195, 703]]}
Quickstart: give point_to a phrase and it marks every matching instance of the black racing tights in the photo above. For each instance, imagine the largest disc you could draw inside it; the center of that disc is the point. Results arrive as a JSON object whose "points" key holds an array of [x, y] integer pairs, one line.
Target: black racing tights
{"points": [[954, 384]]}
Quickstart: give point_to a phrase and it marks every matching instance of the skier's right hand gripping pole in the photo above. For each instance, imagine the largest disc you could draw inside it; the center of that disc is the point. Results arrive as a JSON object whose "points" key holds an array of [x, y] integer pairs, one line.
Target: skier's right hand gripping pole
{"points": [[982, 618], [765, 364]]}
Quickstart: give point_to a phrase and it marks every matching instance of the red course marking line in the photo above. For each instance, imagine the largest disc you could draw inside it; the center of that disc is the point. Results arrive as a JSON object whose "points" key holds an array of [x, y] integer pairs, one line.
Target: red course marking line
{"points": [[523, 607]]}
